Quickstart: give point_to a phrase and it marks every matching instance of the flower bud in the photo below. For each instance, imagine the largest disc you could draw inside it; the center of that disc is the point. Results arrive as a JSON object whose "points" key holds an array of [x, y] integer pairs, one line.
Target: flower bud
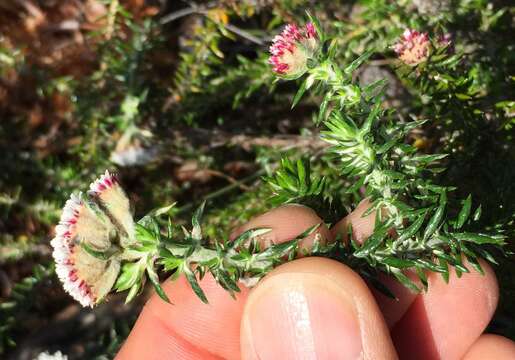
{"points": [[413, 47], [445, 41], [291, 50]]}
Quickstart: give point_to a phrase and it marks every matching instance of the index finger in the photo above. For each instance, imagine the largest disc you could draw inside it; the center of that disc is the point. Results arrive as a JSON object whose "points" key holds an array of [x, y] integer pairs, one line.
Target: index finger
{"points": [[188, 329]]}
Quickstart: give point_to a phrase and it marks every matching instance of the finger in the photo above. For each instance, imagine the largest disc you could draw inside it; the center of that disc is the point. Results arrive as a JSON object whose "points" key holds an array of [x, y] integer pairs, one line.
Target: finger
{"points": [[491, 347], [286, 223], [362, 228], [188, 329], [313, 308], [191, 329], [394, 309], [444, 322]]}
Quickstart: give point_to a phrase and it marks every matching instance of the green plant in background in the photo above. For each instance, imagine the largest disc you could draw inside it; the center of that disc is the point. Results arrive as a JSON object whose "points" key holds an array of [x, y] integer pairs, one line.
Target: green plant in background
{"points": [[20, 303]]}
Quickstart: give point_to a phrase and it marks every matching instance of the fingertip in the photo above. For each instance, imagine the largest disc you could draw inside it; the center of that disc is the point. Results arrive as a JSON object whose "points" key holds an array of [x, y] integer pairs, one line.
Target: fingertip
{"points": [[153, 338], [447, 320], [491, 346], [362, 226], [313, 308]]}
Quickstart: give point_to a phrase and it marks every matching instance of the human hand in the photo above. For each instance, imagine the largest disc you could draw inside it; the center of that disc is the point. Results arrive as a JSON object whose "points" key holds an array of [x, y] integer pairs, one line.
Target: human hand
{"points": [[316, 308]]}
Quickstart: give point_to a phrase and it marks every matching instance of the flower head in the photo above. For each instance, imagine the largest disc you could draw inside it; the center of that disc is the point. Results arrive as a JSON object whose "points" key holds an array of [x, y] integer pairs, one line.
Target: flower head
{"points": [[291, 50], [413, 47], [88, 229]]}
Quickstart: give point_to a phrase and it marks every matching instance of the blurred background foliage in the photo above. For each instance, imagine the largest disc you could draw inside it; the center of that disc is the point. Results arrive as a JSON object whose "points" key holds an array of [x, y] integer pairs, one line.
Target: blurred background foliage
{"points": [[177, 97]]}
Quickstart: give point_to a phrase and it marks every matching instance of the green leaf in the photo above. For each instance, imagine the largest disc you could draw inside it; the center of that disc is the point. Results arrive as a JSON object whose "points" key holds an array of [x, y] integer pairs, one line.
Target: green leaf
{"points": [[249, 234], [144, 235], [486, 255], [378, 284], [422, 277], [464, 213], [358, 184], [372, 243], [386, 146], [277, 251], [480, 238], [169, 261], [374, 87], [404, 280], [301, 174], [412, 229], [133, 292], [323, 109], [357, 63], [436, 219], [397, 262], [445, 274], [472, 259], [226, 281], [463, 96], [308, 232], [163, 210], [299, 94], [190, 276], [372, 116], [102, 255], [147, 219], [196, 232], [477, 213], [154, 279], [130, 275], [428, 264]]}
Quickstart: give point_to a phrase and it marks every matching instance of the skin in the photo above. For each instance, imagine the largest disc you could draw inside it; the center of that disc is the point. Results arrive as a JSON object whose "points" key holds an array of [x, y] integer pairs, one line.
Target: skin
{"points": [[318, 308]]}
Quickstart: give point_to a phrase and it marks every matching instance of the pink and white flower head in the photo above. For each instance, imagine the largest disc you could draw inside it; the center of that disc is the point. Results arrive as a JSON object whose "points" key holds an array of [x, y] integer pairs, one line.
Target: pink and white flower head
{"points": [[291, 50], [87, 226], [413, 47]]}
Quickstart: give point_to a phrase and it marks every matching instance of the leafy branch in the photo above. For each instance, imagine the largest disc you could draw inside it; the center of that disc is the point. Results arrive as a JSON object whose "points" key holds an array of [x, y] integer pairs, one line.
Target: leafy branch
{"points": [[193, 255], [369, 144]]}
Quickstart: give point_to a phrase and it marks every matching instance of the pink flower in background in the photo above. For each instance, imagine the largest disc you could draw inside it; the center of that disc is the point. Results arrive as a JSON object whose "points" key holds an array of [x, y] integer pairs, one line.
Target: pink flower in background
{"points": [[445, 41], [291, 49], [413, 47]]}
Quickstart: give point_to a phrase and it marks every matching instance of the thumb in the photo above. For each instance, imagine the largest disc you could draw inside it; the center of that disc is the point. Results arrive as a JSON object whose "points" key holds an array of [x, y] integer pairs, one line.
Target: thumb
{"points": [[313, 308]]}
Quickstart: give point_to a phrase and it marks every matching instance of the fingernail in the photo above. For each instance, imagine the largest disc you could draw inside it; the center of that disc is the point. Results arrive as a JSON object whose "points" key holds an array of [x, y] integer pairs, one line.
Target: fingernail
{"points": [[302, 316]]}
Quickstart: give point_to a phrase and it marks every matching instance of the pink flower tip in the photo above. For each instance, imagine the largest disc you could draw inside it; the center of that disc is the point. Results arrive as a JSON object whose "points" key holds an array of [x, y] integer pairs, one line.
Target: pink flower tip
{"points": [[291, 49], [103, 183]]}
